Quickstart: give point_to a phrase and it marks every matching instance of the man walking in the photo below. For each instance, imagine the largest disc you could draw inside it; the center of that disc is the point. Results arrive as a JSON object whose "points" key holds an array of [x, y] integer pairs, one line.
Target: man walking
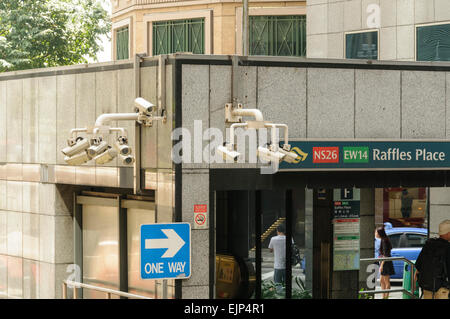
{"points": [[433, 265], [277, 245]]}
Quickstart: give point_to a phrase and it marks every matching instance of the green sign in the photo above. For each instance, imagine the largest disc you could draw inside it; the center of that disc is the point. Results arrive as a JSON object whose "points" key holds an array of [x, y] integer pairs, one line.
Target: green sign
{"points": [[369, 155], [356, 154]]}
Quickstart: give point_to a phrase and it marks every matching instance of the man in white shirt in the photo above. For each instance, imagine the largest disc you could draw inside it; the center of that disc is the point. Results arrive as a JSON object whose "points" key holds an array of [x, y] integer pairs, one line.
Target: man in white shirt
{"points": [[277, 245]]}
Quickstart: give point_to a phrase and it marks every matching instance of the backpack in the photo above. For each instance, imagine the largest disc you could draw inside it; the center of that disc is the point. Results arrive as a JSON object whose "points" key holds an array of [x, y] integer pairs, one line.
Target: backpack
{"points": [[433, 274]]}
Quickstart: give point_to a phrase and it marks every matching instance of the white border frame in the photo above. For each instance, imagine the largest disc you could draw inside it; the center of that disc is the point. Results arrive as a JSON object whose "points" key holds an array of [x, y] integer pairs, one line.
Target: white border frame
{"points": [[149, 18], [119, 25], [362, 31], [415, 36], [263, 11]]}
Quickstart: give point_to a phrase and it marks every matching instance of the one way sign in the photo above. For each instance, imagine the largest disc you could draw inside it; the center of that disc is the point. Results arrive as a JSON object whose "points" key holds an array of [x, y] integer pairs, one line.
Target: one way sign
{"points": [[165, 251]]}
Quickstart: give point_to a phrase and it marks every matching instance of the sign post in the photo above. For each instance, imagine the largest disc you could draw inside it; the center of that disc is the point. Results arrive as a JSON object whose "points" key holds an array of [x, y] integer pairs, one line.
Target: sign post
{"points": [[346, 235], [165, 251]]}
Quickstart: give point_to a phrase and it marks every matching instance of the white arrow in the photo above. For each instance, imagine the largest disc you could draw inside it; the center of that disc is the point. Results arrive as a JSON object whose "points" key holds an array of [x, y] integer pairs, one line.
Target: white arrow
{"points": [[173, 243]]}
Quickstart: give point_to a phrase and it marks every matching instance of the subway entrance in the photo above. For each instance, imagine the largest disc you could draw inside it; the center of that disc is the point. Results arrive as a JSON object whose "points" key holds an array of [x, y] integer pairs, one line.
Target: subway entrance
{"points": [[247, 221]]}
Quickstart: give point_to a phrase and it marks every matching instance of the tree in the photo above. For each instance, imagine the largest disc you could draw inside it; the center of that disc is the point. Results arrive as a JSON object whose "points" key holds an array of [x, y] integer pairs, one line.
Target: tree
{"points": [[45, 33]]}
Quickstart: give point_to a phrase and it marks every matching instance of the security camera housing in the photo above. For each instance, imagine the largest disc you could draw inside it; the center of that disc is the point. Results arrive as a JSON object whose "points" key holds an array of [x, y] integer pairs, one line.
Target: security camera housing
{"points": [[127, 160], [80, 145], [266, 154], [123, 149], [143, 106], [290, 157], [77, 159], [228, 154], [106, 157], [94, 150]]}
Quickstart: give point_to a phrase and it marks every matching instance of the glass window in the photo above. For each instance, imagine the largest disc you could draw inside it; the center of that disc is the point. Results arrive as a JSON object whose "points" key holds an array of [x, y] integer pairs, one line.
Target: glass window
{"points": [[179, 36], [433, 43], [122, 44], [403, 207], [395, 240], [362, 45], [416, 240], [136, 285], [277, 35], [100, 249]]}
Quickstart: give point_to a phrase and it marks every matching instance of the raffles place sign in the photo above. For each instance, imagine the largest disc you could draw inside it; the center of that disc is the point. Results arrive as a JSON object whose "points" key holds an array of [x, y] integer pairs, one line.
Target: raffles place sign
{"points": [[369, 155]]}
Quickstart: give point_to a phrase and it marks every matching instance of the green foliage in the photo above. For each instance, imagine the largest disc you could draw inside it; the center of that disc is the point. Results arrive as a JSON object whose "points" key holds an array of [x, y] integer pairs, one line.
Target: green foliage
{"points": [[365, 296], [270, 290], [46, 33]]}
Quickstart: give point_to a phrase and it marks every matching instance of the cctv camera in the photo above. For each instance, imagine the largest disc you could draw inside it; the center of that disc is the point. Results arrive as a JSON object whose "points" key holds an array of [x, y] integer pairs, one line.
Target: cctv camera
{"points": [[143, 106], [107, 156], [127, 160], [290, 157], [228, 153], [122, 146], [80, 145], [266, 154], [123, 149], [97, 148], [77, 159]]}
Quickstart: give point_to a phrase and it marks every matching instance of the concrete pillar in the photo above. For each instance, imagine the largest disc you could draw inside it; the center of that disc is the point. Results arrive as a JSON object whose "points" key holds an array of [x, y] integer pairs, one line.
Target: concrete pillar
{"points": [[367, 228]]}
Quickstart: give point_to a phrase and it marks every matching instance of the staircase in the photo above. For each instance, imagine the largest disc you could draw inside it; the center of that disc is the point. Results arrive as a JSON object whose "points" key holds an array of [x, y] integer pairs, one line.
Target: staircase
{"points": [[270, 230]]}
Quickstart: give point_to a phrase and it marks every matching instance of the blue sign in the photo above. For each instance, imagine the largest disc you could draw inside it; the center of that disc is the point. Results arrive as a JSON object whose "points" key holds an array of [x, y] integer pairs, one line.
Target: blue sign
{"points": [[166, 251], [369, 155]]}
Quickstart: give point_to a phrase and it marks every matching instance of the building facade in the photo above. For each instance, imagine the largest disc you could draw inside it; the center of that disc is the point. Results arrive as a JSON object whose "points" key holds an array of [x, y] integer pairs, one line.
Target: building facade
{"points": [[402, 30], [59, 221], [207, 27], [81, 222]]}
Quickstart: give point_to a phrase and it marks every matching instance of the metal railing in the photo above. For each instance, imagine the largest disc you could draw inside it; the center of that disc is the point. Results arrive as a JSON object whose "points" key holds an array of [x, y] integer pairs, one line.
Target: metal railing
{"points": [[107, 291], [411, 264]]}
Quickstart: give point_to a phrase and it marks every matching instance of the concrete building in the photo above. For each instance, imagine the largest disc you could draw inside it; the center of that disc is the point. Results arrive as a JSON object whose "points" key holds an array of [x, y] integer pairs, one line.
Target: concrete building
{"points": [[59, 221], [402, 30], [206, 27], [54, 216]]}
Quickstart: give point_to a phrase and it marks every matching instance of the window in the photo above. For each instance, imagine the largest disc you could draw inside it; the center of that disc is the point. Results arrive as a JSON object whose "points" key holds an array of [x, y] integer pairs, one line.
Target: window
{"points": [[179, 36], [122, 41], [362, 45], [433, 43], [277, 35], [395, 240], [416, 240]]}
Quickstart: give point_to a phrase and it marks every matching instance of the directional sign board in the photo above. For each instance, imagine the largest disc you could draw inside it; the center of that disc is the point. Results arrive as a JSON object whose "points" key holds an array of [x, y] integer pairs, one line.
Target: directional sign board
{"points": [[368, 155], [165, 251]]}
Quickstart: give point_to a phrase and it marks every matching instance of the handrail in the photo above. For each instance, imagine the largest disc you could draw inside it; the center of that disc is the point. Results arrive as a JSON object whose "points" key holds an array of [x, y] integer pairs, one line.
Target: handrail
{"points": [[411, 294], [108, 291]]}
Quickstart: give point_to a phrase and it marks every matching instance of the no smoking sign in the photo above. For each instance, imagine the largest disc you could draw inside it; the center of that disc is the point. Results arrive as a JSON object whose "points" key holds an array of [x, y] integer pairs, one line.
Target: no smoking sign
{"points": [[200, 216]]}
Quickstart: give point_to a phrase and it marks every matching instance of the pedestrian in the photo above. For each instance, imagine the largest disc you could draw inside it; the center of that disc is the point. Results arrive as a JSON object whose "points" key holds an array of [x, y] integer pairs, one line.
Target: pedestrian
{"points": [[386, 266], [433, 265], [277, 245], [406, 204]]}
